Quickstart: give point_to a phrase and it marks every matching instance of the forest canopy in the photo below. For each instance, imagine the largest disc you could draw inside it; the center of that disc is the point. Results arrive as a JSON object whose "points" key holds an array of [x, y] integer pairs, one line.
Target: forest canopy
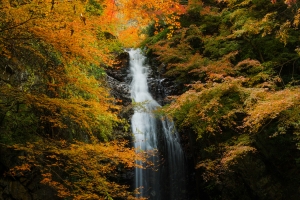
{"points": [[55, 104], [235, 64]]}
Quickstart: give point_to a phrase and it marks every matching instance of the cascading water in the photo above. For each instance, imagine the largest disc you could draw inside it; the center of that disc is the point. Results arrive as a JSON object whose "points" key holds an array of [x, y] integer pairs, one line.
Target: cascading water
{"points": [[166, 180]]}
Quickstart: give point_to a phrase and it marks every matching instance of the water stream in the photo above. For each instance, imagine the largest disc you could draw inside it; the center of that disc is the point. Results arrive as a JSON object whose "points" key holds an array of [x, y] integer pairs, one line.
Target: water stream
{"points": [[166, 178]]}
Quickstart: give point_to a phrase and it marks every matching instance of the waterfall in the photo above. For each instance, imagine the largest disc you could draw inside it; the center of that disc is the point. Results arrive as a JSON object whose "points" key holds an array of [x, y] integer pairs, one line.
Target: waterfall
{"points": [[166, 178]]}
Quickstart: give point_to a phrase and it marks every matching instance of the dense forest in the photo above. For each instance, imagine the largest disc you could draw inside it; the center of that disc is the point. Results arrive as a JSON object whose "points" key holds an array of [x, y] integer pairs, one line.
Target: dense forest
{"points": [[235, 67]]}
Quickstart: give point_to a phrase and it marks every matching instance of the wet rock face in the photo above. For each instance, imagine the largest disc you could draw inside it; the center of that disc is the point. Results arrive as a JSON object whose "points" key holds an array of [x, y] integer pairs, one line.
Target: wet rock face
{"points": [[117, 79], [160, 86], [120, 70], [120, 90]]}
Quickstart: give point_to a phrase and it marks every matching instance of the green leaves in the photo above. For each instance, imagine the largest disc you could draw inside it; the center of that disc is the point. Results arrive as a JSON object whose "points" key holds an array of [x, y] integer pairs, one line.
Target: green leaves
{"points": [[93, 7]]}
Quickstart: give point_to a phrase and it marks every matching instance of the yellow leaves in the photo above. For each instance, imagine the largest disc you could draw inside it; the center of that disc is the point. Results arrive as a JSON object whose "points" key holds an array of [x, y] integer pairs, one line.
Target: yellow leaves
{"points": [[55, 50], [62, 191], [86, 113], [64, 94], [207, 107], [20, 170], [297, 19], [170, 34], [130, 36], [115, 151], [282, 33], [234, 152], [79, 170], [248, 26], [144, 12], [269, 105]]}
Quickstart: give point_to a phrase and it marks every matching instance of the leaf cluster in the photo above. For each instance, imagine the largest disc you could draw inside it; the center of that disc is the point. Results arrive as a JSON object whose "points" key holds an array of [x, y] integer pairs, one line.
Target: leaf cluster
{"points": [[78, 170]]}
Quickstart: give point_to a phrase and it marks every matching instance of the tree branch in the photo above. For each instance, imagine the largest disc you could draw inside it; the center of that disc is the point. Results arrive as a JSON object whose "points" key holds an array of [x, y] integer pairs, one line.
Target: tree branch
{"points": [[17, 25]]}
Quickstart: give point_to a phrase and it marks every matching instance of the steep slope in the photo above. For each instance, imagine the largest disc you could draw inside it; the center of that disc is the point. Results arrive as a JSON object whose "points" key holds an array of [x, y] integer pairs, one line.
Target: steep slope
{"points": [[236, 64]]}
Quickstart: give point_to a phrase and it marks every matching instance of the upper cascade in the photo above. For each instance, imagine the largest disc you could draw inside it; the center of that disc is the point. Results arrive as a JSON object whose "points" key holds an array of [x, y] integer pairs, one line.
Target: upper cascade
{"points": [[158, 136]]}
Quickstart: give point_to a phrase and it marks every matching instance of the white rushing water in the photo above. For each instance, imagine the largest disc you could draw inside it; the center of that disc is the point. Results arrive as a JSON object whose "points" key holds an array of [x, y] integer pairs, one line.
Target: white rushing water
{"points": [[166, 179]]}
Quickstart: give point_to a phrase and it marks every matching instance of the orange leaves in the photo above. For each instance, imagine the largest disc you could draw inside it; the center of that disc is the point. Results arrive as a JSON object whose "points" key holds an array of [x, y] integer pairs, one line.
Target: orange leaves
{"points": [[130, 37], [20, 170], [64, 90], [87, 114], [234, 152], [268, 106], [217, 70], [65, 29], [60, 59], [79, 170], [288, 2], [165, 13], [208, 107], [116, 151], [62, 191], [110, 13]]}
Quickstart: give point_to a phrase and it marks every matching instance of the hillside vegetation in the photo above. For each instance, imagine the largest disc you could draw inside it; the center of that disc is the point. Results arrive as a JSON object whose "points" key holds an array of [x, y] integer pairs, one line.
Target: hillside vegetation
{"points": [[57, 117], [61, 134], [236, 63], [236, 67]]}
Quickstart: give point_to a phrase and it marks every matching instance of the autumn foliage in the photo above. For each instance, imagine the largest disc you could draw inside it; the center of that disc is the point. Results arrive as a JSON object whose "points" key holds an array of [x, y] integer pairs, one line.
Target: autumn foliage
{"points": [[236, 67], [55, 105], [78, 170], [235, 64]]}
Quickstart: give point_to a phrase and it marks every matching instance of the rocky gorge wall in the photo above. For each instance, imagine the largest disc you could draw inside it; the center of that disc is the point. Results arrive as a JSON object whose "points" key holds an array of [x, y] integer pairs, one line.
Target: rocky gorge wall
{"points": [[229, 165], [160, 88]]}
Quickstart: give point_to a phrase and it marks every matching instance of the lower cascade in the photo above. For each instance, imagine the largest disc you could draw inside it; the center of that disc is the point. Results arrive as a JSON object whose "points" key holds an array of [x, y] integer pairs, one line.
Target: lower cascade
{"points": [[158, 136]]}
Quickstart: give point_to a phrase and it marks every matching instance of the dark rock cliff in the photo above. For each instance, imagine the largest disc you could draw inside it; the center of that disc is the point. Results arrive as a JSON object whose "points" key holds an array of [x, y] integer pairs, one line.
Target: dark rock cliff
{"points": [[160, 88], [117, 79], [159, 85]]}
